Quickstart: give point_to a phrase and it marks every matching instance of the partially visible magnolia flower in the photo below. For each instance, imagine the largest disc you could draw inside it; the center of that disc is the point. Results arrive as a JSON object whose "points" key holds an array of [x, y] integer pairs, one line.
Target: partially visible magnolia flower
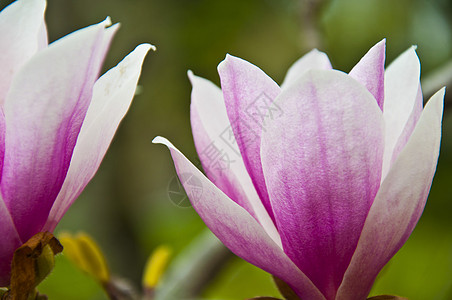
{"points": [[57, 118], [321, 180]]}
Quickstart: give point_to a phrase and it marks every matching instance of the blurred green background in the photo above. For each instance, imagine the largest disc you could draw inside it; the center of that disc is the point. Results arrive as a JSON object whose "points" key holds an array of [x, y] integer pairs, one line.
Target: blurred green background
{"points": [[126, 207]]}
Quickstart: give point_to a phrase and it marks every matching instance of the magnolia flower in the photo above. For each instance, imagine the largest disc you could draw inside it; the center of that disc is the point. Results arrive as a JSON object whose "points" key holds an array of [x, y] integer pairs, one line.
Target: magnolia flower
{"points": [[321, 180], [57, 118]]}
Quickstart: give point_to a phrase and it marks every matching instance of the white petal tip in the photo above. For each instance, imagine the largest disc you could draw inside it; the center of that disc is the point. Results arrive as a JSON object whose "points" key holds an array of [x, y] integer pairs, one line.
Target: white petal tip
{"points": [[191, 76], [437, 100], [163, 141], [440, 93], [146, 47], [228, 60], [115, 26], [382, 42], [107, 22]]}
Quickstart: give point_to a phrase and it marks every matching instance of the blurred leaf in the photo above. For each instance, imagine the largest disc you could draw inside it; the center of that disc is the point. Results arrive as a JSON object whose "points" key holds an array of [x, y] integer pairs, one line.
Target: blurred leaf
{"points": [[70, 283]]}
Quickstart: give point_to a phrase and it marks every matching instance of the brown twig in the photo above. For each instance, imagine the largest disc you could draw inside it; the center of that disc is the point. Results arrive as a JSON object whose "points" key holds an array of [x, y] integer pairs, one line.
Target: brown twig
{"points": [[194, 268], [311, 33]]}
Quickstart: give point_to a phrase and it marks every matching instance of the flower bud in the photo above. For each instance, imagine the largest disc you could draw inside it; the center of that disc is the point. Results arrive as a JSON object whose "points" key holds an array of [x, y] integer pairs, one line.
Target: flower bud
{"points": [[155, 266], [84, 252]]}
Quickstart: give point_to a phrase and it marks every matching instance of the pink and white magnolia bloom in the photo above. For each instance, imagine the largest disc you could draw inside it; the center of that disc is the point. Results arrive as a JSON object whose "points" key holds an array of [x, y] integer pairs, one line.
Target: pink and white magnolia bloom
{"points": [[321, 180], [57, 118]]}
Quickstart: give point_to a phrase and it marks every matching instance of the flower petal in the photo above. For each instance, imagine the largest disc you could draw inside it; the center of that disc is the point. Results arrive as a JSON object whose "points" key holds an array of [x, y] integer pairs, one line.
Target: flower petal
{"points": [[22, 31], [322, 164], [398, 205], [310, 61], [248, 94], [369, 71], [10, 241], [409, 126], [44, 111], [401, 91], [112, 95], [237, 229], [219, 153]]}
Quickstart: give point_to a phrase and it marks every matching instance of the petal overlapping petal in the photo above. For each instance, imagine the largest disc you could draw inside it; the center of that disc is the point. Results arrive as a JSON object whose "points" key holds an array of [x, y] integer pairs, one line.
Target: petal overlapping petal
{"points": [[322, 166], [370, 70], [10, 241], [22, 34], [112, 95], [44, 111], [237, 229], [401, 99], [409, 126], [398, 204], [218, 151], [248, 92], [314, 60]]}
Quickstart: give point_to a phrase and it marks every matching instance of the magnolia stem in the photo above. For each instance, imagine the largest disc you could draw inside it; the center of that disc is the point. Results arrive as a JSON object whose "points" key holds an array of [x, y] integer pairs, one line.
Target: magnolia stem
{"points": [[194, 268], [311, 35]]}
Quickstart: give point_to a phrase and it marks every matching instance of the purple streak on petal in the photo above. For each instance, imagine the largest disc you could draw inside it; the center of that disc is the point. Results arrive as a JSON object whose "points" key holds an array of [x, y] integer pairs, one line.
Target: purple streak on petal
{"points": [[219, 153], [238, 230], [314, 60], [20, 38], [369, 71], [112, 95], [10, 242], [248, 93], [44, 111], [322, 166], [398, 204]]}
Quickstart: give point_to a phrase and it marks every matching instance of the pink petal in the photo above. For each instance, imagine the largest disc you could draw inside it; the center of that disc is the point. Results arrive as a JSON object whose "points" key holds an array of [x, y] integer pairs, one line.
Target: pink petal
{"points": [[322, 166], [314, 60], [398, 205], [401, 98], [22, 31], [44, 111], [248, 94], [237, 229], [219, 153], [112, 95], [369, 71], [10, 242]]}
